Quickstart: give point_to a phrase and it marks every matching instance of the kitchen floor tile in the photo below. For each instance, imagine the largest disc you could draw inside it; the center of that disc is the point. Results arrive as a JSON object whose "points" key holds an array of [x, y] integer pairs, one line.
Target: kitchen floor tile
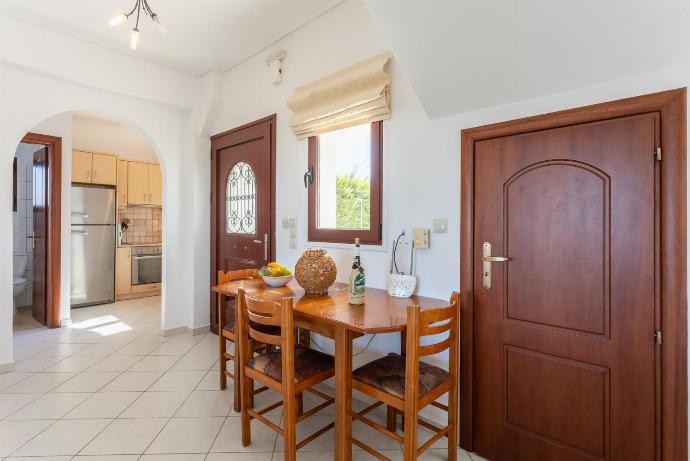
{"points": [[155, 405], [9, 403], [174, 380], [172, 348], [14, 434], [154, 363], [87, 381], [187, 435], [206, 403], [103, 405], [132, 381], [125, 436], [49, 406], [39, 383], [63, 438], [115, 363], [229, 439]]}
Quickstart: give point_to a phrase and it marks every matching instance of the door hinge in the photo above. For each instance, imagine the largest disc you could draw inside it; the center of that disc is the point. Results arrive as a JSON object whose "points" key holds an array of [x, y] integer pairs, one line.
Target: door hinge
{"points": [[657, 153], [657, 336]]}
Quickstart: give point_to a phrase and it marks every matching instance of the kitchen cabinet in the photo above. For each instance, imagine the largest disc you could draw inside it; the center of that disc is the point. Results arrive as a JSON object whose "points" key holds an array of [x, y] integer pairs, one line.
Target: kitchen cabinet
{"points": [[122, 183], [144, 184], [123, 271], [93, 168]]}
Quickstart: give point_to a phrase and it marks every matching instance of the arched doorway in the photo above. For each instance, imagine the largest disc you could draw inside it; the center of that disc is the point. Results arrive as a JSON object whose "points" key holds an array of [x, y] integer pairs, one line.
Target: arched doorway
{"points": [[102, 293]]}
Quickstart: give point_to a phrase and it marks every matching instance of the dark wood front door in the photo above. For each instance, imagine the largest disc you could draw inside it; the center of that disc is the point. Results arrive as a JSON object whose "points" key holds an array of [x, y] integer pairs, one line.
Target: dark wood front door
{"points": [[40, 226], [243, 164], [564, 334]]}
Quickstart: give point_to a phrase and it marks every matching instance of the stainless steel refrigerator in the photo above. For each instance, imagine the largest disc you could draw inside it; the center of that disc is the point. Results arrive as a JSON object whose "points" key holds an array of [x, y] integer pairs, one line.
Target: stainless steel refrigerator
{"points": [[93, 245]]}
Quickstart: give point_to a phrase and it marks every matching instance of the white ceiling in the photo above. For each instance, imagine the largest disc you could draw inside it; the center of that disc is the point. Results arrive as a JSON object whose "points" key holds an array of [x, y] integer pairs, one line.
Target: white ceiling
{"points": [[463, 55], [202, 35]]}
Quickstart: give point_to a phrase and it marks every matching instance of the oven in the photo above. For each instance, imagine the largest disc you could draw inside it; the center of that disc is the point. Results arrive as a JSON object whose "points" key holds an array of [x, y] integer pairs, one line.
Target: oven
{"points": [[146, 265]]}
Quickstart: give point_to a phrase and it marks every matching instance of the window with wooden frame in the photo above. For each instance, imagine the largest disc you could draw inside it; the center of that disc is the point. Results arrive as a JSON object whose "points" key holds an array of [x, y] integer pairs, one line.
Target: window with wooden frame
{"points": [[345, 185]]}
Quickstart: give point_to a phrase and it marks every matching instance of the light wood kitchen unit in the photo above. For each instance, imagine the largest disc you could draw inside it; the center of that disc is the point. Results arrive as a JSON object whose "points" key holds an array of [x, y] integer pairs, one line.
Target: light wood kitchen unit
{"points": [[144, 184], [123, 271], [122, 183], [94, 168]]}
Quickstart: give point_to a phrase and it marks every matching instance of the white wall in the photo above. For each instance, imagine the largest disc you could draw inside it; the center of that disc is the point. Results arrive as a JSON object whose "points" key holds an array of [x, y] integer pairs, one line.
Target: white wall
{"points": [[421, 155], [54, 74]]}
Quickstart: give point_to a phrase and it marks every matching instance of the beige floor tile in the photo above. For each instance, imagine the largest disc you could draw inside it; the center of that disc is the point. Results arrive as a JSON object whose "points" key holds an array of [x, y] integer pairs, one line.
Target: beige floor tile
{"points": [[62, 349], [63, 438], [211, 382], [154, 363], [439, 454], [155, 405], [103, 405], [87, 381], [175, 380], [9, 403], [244, 457], [125, 436], [132, 381], [49, 406], [175, 457], [43, 458], [172, 347], [196, 361], [103, 458], [229, 439], [14, 434], [206, 403], [35, 363], [116, 363], [10, 379], [137, 349], [393, 455], [187, 435], [39, 383], [475, 457], [98, 350]]}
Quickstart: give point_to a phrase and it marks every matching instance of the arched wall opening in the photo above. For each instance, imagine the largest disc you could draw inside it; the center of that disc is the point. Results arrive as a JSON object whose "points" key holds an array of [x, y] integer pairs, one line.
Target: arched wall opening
{"points": [[34, 97], [89, 131]]}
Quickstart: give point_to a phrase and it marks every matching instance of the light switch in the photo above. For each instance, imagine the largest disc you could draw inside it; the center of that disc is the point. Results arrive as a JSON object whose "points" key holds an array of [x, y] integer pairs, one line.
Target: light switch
{"points": [[440, 226], [421, 238]]}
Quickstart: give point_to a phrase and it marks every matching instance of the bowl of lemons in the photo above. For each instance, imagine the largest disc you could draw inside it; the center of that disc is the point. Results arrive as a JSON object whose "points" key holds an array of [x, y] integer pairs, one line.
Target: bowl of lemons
{"points": [[275, 275]]}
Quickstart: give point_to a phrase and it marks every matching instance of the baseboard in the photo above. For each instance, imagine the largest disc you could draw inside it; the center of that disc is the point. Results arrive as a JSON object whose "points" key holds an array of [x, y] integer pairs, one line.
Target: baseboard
{"points": [[174, 331], [65, 322], [199, 330], [7, 367]]}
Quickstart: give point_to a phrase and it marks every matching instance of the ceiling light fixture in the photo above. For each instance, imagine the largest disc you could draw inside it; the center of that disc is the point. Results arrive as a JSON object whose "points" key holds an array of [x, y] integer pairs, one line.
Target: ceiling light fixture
{"points": [[138, 7]]}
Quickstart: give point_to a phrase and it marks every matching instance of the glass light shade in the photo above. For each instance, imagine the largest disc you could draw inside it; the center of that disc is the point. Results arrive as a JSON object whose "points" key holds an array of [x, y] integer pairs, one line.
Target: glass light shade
{"points": [[157, 22], [134, 39], [119, 19]]}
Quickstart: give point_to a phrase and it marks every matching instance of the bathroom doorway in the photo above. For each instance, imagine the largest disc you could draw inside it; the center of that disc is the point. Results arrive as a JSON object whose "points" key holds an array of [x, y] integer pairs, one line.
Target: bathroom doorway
{"points": [[36, 231]]}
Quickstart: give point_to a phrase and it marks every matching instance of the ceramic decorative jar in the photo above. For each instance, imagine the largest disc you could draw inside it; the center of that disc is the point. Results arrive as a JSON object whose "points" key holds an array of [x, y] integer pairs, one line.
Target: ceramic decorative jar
{"points": [[315, 272]]}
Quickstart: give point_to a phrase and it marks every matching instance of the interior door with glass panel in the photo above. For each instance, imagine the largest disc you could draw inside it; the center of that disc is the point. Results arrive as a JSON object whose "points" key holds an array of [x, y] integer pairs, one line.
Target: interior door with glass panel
{"points": [[242, 199]]}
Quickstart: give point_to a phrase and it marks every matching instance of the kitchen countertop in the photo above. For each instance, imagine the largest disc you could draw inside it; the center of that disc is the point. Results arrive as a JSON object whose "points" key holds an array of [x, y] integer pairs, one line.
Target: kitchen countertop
{"points": [[124, 245]]}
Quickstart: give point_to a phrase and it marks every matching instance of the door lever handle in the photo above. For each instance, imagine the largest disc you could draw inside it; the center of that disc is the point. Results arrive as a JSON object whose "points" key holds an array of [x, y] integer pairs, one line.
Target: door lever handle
{"points": [[495, 259], [487, 259]]}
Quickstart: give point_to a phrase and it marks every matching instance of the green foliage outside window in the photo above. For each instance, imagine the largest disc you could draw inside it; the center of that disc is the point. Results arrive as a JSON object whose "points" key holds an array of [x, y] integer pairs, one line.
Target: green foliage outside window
{"points": [[352, 202]]}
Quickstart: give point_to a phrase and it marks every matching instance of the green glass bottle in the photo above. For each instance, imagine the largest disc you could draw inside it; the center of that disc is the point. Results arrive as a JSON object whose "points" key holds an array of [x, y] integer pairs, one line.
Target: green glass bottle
{"points": [[357, 282]]}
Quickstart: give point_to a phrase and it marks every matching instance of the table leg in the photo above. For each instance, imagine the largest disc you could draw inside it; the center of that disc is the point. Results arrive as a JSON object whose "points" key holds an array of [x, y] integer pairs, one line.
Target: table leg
{"points": [[343, 394]]}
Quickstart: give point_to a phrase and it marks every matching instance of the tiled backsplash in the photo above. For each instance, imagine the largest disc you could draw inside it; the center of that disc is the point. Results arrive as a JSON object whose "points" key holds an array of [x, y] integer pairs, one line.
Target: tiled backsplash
{"points": [[144, 224]]}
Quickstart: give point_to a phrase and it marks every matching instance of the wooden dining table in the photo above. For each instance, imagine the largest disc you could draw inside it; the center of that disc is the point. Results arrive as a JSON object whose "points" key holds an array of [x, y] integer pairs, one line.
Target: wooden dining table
{"points": [[331, 315]]}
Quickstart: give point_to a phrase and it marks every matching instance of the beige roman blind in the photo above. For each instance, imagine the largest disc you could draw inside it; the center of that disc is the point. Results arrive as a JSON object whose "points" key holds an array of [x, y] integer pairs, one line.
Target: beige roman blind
{"points": [[357, 94]]}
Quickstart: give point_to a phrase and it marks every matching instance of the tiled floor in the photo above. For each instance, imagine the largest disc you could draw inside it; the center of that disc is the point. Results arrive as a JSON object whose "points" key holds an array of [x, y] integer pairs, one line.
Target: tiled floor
{"points": [[111, 388]]}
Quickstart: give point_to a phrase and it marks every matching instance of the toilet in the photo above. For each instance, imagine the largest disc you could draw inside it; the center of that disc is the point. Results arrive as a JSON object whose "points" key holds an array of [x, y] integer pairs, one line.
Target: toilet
{"points": [[18, 281]]}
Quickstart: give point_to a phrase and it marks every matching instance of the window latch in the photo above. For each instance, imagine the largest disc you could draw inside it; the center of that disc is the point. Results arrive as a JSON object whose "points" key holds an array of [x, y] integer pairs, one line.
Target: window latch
{"points": [[309, 177]]}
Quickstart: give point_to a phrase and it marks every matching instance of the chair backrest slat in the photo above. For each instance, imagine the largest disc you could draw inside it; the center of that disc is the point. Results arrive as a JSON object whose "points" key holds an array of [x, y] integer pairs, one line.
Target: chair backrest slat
{"points": [[429, 322], [264, 337], [433, 349], [263, 318]]}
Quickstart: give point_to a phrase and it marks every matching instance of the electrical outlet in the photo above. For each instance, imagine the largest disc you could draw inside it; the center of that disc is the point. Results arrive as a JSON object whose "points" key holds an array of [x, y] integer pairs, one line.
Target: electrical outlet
{"points": [[421, 238], [440, 226]]}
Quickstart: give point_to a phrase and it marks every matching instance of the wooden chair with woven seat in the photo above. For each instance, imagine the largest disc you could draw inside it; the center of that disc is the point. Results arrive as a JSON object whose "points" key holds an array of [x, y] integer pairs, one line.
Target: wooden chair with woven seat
{"points": [[227, 331], [408, 385], [290, 369]]}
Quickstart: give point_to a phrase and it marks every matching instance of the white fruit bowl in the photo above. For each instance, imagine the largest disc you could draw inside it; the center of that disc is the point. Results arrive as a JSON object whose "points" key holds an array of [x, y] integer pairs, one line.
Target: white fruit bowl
{"points": [[277, 281]]}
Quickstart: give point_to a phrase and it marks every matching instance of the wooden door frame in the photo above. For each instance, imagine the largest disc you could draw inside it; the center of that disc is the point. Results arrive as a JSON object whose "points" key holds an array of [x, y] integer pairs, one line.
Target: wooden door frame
{"points": [[671, 426], [271, 119], [53, 230]]}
